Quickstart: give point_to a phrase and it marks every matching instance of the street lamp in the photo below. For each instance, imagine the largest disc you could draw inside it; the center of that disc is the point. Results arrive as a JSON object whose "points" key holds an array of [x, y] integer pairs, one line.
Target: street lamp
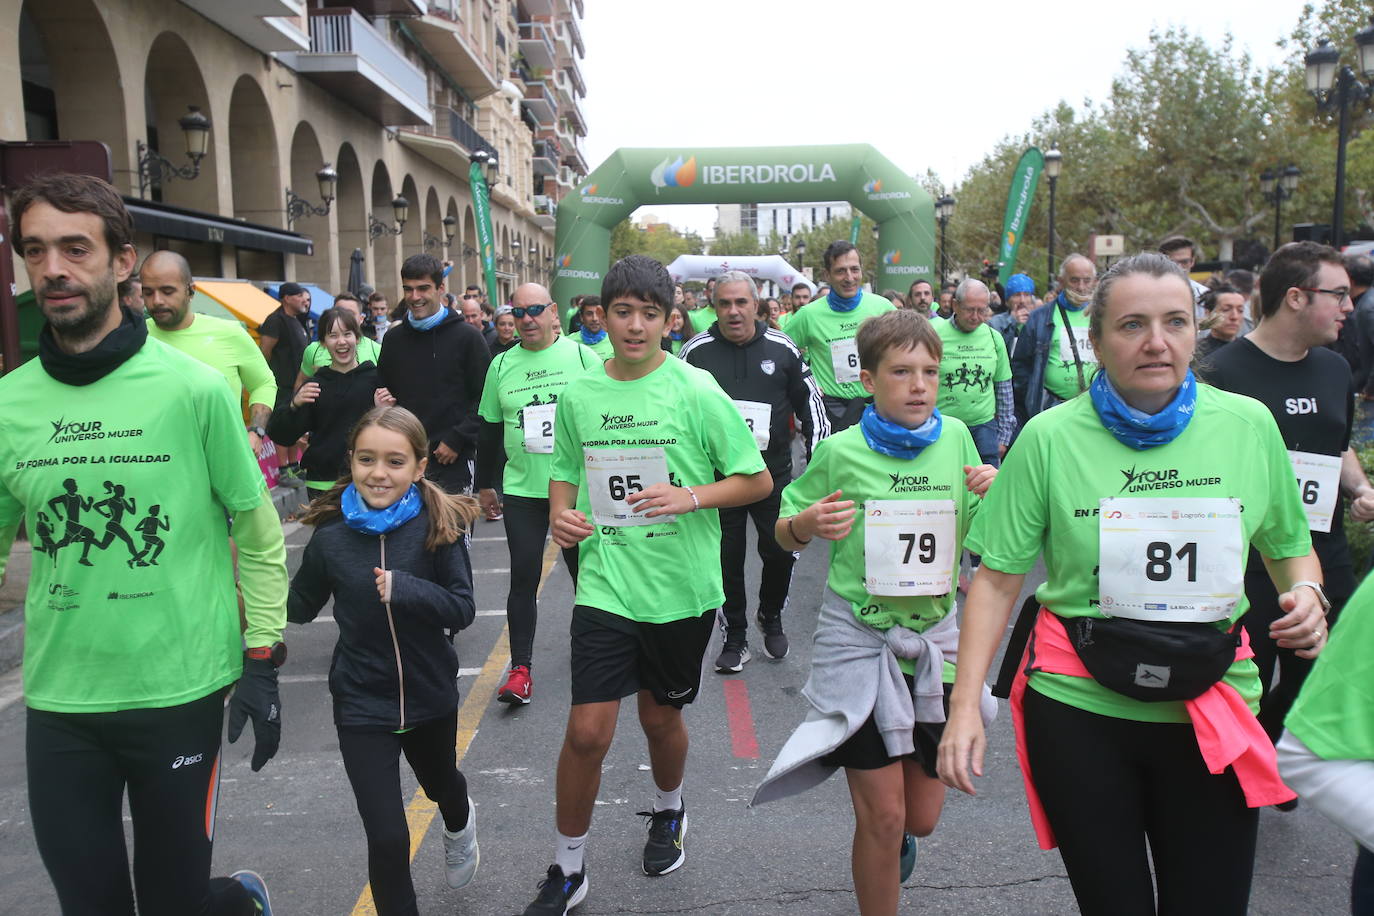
{"points": [[297, 206], [450, 229], [400, 209], [1336, 86], [944, 209], [801, 255], [489, 163], [1278, 187], [155, 168], [1054, 161]]}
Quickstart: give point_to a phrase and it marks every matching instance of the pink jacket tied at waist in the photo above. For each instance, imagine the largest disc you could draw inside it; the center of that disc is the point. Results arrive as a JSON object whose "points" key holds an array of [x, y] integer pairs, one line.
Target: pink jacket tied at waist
{"points": [[1228, 734]]}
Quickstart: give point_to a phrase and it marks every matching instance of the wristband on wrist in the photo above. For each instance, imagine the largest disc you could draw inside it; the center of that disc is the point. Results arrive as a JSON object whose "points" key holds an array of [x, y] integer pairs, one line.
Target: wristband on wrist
{"points": [[792, 531], [696, 503], [275, 653]]}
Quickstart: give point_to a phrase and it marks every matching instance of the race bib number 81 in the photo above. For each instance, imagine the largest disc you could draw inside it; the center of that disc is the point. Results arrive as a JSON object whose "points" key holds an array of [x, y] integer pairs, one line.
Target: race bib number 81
{"points": [[613, 474], [1178, 560], [908, 546]]}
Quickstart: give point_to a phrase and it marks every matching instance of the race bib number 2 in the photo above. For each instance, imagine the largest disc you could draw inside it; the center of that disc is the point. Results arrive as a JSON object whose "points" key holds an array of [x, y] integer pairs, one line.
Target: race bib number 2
{"points": [[908, 546], [1177, 560], [537, 422], [1319, 481], [613, 474], [844, 359]]}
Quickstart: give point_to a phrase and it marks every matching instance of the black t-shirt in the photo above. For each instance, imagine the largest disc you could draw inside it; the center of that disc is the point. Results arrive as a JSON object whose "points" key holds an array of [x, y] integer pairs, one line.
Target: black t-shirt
{"points": [[1312, 401], [292, 340]]}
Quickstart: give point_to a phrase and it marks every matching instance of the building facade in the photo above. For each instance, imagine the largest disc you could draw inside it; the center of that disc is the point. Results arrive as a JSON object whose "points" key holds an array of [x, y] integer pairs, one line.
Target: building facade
{"points": [[396, 95]]}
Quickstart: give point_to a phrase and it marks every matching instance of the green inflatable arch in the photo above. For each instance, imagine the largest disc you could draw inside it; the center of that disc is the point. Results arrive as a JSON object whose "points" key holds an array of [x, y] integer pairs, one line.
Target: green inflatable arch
{"points": [[632, 178]]}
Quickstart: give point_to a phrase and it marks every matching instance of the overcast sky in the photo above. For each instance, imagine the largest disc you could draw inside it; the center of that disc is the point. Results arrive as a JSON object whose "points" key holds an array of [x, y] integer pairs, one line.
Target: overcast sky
{"points": [[931, 85]]}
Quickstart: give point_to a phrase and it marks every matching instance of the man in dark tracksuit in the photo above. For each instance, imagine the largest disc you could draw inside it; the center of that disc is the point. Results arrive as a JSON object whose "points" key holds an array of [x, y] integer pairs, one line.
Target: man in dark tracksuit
{"points": [[763, 372], [433, 364]]}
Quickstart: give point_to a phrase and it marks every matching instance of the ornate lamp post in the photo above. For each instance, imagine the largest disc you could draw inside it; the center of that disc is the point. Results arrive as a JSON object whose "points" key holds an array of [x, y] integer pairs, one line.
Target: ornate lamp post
{"points": [[1054, 161], [1278, 187], [1336, 86], [155, 168], [297, 206]]}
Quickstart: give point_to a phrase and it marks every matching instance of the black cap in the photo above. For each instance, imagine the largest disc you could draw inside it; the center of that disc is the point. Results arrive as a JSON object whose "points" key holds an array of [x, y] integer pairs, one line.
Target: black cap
{"points": [[290, 288]]}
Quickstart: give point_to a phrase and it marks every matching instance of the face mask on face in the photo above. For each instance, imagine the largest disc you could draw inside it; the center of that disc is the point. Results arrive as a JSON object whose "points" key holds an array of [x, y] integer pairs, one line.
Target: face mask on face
{"points": [[1076, 298]]}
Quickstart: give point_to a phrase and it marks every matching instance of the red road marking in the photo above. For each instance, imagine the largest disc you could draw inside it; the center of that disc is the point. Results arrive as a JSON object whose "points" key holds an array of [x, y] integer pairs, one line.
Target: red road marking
{"points": [[743, 741]]}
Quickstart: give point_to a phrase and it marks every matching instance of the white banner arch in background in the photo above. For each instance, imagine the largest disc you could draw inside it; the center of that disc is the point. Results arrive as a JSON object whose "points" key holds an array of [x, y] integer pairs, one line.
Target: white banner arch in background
{"points": [[760, 267]]}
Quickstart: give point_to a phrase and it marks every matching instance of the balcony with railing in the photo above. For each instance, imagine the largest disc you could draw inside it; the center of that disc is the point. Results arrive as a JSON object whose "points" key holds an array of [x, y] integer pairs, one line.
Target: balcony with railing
{"points": [[545, 211], [352, 60], [536, 44], [540, 103], [264, 25], [569, 66], [547, 153], [575, 31], [450, 143], [457, 48]]}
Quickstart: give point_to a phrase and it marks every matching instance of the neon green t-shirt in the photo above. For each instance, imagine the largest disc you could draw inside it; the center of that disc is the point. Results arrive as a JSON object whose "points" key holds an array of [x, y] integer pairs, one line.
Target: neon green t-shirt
{"points": [[1047, 494], [123, 484], [845, 462], [226, 347], [317, 355], [624, 569], [1061, 375], [968, 369], [826, 338], [1334, 714], [602, 348], [523, 384], [701, 319]]}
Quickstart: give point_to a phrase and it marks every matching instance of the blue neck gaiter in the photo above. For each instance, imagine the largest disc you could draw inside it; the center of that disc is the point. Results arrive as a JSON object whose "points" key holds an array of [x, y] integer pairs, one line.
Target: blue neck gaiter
{"points": [[895, 440], [424, 324], [592, 340], [841, 304], [1136, 428], [359, 516]]}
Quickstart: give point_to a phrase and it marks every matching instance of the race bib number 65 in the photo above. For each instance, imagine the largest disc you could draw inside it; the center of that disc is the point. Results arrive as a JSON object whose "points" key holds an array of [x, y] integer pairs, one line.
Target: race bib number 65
{"points": [[614, 473], [1178, 560]]}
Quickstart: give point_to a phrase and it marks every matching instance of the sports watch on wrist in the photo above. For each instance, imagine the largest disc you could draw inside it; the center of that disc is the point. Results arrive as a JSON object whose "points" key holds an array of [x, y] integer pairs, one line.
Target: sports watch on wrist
{"points": [[1321, 594], [262, 433], [275, 653]]}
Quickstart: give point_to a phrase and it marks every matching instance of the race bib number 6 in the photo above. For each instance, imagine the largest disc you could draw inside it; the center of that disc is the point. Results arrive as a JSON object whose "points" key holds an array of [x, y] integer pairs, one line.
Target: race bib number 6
{"points": [[844, 359], [613, 474], [1177, 560], [908, 546]]}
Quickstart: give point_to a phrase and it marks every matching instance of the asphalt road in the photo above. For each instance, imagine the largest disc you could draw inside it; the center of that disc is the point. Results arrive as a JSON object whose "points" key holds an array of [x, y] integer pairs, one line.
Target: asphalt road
{"points": [[295, 821]]}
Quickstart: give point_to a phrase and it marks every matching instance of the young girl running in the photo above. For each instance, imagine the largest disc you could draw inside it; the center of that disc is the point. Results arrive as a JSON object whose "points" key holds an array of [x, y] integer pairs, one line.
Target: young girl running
{"points": [[390, 549]]}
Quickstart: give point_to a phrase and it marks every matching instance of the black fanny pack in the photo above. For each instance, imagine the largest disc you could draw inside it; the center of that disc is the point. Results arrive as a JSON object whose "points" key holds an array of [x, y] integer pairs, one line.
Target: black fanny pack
{"points": [[1151, 660]]}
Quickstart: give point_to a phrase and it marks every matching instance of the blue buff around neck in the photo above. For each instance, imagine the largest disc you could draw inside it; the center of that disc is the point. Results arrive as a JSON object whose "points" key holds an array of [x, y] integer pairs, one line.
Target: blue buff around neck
{"points": [[841, 304], [424, 324], [592, 340], [1136, 428], [359, 516], [895, 440]]}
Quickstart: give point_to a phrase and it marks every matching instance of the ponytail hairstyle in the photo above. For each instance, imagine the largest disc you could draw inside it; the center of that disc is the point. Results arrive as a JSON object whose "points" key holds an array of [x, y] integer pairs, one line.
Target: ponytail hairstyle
{"points": [[450, 515]]}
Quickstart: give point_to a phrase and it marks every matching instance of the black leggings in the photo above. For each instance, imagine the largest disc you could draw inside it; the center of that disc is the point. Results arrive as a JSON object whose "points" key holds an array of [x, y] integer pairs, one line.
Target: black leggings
{"points": [[1110, 784], [371, 759], [1362, 884], [1292, 669], [79, 766], [527, 525], [777, 562]]}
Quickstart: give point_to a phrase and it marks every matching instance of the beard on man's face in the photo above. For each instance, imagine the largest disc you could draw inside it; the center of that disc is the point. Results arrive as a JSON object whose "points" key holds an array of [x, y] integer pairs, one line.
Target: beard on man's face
{"points": [[85, 317]]}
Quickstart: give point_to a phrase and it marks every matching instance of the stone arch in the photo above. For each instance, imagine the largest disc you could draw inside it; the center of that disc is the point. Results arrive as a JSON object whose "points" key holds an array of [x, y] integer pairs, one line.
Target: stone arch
{"points": [[307, 159], [350, 209], [253, 163], [434, 223], [80, 98], [172, 83], [471, 261], [413, 233], [386, 264]]}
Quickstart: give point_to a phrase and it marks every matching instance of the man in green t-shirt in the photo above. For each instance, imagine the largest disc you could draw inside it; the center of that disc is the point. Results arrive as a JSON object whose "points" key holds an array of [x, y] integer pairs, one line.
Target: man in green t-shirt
{"points": [[975, 377], [699, 316], [518, 409], [1050, 366], [223, 345], [825, 332], [593, 333], [129, 654], [645, 451]]}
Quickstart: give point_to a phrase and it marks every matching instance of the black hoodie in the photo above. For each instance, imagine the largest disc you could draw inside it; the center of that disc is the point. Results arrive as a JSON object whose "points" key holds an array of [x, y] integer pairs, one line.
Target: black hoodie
{"points": [[437, 375], [344, 397]]}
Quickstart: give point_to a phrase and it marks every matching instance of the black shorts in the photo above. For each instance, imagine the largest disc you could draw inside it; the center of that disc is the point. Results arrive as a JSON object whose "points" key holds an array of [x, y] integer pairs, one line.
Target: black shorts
{"points": [[613, 657], [864, 750]]}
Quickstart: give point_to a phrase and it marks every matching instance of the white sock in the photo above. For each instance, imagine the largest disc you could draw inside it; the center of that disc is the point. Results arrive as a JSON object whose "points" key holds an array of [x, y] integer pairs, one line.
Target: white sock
{"points": [[571, 853], [671, 800]]}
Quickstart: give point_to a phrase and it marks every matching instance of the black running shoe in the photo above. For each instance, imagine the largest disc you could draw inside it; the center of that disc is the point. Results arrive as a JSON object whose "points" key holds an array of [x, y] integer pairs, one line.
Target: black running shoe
{"points": [[558, 893], [732, 659], [664, 851], [774, 639]]}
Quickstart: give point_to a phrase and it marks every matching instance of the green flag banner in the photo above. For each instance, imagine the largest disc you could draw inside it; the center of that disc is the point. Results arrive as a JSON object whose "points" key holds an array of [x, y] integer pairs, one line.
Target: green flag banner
{"points": [[1019, 199], [858, 173], [854, 231], [481, 212]]}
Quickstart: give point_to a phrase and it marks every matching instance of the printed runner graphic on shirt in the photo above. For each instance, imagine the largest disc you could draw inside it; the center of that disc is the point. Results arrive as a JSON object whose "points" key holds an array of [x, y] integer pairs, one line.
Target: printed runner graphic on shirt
{"points": [[962, 377], [67, 508]]}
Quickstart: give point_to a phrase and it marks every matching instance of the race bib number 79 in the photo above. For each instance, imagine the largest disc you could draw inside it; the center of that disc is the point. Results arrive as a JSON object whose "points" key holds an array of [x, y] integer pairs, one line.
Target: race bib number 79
{"points": [[908, 546], [1178, 560]]}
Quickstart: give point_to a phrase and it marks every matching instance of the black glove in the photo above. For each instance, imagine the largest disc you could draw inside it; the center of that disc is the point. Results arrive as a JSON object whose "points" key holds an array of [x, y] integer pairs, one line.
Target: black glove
{"points": [[257, 697]]}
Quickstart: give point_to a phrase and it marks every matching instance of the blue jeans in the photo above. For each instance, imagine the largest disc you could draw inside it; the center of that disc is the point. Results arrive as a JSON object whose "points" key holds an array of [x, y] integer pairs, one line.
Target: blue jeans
{"points": [[985, 440]]}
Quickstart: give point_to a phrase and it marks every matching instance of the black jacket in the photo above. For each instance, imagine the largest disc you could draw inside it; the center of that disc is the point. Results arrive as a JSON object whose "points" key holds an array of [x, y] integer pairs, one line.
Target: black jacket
{"points": [[769, 369], [437, 375], [383, 655], [344, 397]]}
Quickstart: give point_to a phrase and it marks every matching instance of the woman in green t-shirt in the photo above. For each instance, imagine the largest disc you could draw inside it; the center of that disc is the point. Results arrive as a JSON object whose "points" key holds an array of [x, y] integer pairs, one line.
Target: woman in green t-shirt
{"points": [[1144, 494]]}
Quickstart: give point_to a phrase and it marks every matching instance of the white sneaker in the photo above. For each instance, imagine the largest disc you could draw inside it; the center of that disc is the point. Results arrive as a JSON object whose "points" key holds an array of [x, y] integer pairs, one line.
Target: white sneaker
{"points": [[461, 854]]}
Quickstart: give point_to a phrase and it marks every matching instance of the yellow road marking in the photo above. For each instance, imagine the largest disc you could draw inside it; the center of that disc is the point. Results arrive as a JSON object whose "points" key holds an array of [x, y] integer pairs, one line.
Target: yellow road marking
{"points": [[420, 812]]}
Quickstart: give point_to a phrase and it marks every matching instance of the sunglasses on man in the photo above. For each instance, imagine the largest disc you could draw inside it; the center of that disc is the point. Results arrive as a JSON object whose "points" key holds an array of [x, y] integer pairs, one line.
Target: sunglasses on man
{"points": [[534, 311]]}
